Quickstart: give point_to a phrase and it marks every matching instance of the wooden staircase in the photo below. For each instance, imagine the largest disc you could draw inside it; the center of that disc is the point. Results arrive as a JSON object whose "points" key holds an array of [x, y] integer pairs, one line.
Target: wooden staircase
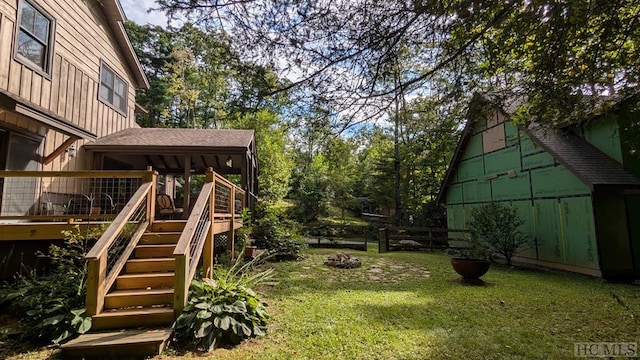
{"points": [[138, 276], [143, 292], [142, 297]]}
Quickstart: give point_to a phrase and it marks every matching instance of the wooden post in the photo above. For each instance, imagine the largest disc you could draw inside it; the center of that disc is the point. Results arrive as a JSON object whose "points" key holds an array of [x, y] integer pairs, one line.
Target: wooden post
{"points": [[96, 273], [232, 208], [366, 242], [181, 291], [151, 176], [187, 187], [208, 255], [382, 240]]}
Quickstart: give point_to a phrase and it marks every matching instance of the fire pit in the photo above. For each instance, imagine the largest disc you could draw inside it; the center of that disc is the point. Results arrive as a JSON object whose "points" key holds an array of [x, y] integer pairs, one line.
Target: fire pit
{"points": [[343, 261]]}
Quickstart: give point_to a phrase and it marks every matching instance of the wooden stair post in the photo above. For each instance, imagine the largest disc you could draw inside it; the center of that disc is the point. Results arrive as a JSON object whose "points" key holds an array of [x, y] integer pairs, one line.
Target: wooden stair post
{"points": [[208, 255], [231, 241]]}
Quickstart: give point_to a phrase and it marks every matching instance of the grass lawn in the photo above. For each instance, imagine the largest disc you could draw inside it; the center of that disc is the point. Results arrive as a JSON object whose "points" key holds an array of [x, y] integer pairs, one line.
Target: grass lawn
{"points": [[410, 305]]}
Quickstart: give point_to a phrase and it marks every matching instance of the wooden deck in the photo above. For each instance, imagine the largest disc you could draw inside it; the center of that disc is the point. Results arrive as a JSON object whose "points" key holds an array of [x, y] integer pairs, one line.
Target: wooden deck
{"points": [[41, 230], [140, 269]]}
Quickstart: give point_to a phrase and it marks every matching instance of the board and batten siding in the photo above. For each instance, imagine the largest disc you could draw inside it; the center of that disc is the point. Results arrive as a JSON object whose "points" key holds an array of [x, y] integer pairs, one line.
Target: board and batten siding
{"points": [[82, 40]]}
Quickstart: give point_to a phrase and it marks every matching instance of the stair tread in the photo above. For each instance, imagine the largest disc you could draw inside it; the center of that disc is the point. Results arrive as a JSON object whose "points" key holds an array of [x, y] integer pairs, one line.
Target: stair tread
{"points": [[122, 337], [118, 344], [135, 312], [139, 292], [155, 245], [160, 233], [141, 260], [144, 275]]}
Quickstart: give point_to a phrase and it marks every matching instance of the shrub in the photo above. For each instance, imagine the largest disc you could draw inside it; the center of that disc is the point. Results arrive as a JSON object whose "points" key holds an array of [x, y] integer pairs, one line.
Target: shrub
{"points": [[224, 310], [53, 306], [277, 234], [495, 229]]}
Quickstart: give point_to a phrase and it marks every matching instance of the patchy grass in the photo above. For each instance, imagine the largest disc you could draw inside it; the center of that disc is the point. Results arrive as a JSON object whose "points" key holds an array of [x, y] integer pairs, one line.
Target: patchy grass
{"points": [[411, 305]]}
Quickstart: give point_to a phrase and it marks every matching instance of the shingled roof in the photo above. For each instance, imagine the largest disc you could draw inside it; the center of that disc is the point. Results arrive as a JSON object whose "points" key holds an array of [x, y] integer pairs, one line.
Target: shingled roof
{"points": [[169, 137], [590, 165], [585, 161]]}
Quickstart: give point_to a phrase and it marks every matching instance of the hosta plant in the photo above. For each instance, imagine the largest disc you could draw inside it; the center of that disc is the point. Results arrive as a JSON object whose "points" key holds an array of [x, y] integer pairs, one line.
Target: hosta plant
{"points": [[52, 306], [223, 310]]}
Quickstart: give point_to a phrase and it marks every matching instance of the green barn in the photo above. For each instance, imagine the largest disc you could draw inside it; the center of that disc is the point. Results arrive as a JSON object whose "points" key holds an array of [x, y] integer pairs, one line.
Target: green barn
{"points": [[577, 187]]}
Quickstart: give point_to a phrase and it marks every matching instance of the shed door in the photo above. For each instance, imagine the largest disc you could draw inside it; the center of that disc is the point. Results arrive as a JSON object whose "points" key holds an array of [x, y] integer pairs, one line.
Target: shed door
{"points": [[633, 217]]}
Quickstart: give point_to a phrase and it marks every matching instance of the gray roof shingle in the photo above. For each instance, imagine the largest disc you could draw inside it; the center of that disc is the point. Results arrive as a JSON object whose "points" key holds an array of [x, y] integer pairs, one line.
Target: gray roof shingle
{"points": [[584, 160], [172, 137]]}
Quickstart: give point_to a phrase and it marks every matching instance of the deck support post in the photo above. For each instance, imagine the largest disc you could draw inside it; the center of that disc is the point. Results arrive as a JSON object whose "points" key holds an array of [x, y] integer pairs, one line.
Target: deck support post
{"points": [[186, 202], [96, 273], [152, 177], [208, 255], [231, 243]]}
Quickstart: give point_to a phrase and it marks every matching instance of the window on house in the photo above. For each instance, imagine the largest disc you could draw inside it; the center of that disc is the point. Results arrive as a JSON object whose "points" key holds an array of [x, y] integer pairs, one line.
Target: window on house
{"points": [[35, 36], [113, 89]]}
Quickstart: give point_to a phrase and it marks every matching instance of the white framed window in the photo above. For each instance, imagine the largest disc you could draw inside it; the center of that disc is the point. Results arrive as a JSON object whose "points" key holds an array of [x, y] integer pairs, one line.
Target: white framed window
{"points": [[34, 37], [113, 89]]}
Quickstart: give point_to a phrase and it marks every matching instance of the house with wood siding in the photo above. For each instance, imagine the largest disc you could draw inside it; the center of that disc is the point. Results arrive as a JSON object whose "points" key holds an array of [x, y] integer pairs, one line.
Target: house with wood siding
{"points": [[577, 187], [68, 75], [71, 154]]}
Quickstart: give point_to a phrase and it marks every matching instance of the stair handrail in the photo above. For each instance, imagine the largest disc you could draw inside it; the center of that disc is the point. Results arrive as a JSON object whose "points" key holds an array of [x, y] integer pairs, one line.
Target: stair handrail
{"points": [[107, 257], [190, 245], [197, 239]]}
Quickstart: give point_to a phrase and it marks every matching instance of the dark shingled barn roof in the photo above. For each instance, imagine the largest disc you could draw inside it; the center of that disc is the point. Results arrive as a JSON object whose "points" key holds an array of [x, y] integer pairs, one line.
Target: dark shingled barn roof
{"points": [[591, 165], [170, 137]]}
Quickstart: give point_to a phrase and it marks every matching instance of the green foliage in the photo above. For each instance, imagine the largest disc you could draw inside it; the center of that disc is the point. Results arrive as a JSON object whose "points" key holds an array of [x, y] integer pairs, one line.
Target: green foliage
{"points": [[274, 157], [557, 54], [314, 191], [224, 310], [197, 79], [53, 306], [243, 237], [325, 230], [495, 229], [276, 233]]}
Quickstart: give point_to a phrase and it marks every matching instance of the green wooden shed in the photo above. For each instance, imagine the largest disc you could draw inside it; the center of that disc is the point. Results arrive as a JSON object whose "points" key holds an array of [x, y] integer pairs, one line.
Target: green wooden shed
{"points": [[577, 187]]}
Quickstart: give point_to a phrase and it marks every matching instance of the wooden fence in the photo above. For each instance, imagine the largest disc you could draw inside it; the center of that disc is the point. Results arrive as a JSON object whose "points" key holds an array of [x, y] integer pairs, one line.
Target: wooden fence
{"points": [[414, 238]]}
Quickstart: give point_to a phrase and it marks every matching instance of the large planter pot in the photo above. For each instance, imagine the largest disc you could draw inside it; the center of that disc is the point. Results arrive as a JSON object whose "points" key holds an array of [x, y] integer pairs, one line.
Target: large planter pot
{"points": [[470, 268], [250, 251]]}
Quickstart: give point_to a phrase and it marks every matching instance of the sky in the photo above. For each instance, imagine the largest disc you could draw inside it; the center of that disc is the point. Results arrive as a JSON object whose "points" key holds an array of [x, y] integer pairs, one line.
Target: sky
{"points": [[136, 10]]}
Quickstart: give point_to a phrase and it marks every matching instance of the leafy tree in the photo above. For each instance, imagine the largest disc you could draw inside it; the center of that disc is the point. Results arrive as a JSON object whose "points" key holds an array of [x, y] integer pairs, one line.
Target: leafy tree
{"points": [[274, 155], [563, 55], [427, 135], [198, 81], [376, 167], [314, 192], [154, 48], [341, 173]]}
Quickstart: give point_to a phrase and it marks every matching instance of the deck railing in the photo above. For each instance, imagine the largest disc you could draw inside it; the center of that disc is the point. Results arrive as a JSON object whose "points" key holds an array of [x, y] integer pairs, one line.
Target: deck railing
{"points": [[216, 210], [61, 195], [110, 253]]}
